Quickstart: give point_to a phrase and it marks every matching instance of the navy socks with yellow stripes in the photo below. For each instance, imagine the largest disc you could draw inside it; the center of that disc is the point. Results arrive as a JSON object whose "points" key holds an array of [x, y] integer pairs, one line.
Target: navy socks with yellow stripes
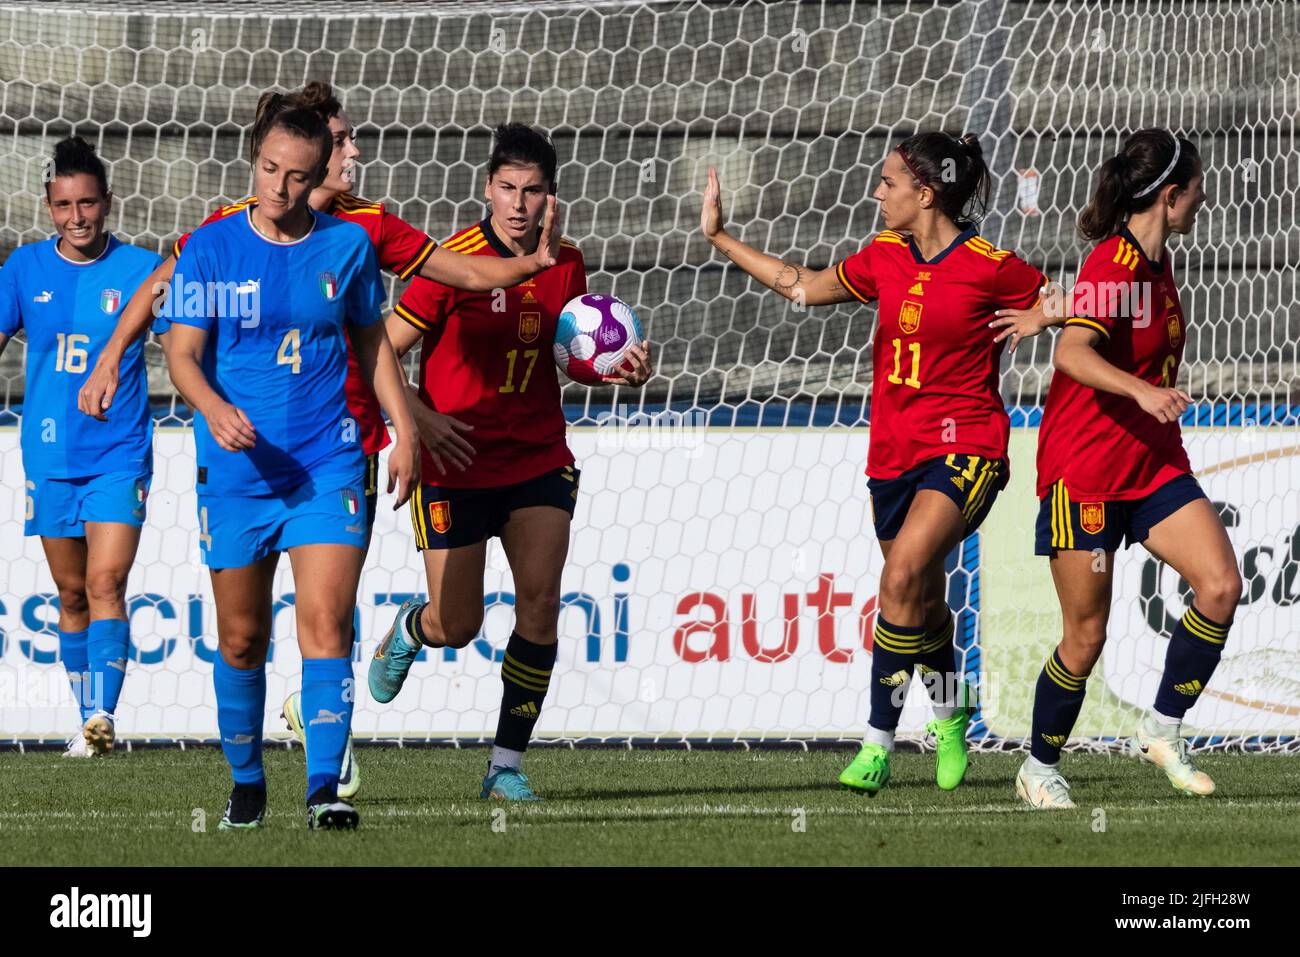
{"points": [[526, 676], [1058, 699], [1194, 652], [937, 662], [893, 652]]}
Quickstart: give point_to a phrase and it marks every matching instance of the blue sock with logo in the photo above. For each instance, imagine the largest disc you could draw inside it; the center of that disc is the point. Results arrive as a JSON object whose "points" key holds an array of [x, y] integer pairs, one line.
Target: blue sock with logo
{"points": [[241, 701], [106, 645], [1194, 652], [328, 690], [72, 652]]}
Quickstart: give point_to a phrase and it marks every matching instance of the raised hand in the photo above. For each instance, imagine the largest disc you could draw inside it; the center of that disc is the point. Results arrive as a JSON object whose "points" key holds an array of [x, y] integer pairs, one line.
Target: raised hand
{"points": [[711, 218]]}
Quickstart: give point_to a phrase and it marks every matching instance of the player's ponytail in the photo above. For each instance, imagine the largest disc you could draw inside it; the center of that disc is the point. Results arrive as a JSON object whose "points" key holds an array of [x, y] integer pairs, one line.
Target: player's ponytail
{"points": [[1131, 180], [74, 155], [954, 168], [318, 97]]}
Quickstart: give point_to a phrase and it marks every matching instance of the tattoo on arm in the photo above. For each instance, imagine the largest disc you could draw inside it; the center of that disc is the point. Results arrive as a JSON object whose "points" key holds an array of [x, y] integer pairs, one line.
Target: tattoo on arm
{"points": [[790, 276]]}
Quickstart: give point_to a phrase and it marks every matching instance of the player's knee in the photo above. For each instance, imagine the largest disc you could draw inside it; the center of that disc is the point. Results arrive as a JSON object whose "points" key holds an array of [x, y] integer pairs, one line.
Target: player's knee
{"points": [[902, 582], [106, 586], [453, 631], [323, 630], [537, 614], [1217, 596], [243, 639], [72, 598], [1081, 643]]}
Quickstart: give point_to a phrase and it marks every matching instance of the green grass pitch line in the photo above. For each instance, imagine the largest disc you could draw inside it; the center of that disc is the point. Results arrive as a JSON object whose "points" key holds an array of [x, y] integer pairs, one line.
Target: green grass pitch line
{"points": [[421, 807]]}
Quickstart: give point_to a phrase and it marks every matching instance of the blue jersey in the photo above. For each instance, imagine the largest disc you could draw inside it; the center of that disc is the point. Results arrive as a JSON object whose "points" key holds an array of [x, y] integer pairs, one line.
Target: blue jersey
{"points": [[276, 349], [69, 311]]}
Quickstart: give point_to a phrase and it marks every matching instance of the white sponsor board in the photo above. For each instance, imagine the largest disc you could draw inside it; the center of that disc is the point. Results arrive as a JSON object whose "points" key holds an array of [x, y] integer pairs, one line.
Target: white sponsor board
{"points": [[1256, 688], [717, 584]]}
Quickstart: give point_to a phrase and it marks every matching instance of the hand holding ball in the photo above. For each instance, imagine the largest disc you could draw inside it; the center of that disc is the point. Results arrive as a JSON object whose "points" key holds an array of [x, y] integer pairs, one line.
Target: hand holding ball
{"points": [[593, 336]]}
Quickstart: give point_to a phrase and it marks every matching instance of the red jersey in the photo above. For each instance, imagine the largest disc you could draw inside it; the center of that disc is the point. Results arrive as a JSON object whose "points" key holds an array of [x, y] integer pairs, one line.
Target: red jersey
{"points": [[935, 388], [1104, 446], [401, 249], [488, 362]]}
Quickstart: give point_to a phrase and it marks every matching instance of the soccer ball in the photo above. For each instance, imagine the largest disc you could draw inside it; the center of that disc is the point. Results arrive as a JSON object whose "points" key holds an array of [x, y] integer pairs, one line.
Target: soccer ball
{"points": [[593, 335]]}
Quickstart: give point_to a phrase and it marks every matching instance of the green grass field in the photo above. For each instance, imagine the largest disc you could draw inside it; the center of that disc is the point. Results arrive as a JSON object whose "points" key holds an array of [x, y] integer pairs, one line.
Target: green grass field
{"points": [[420, 807]]}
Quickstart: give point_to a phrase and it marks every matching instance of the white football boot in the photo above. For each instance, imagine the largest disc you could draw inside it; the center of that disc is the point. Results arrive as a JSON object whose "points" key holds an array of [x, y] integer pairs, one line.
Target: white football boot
{"points": [[77, 747], [1164, 746], [1042, 787]]}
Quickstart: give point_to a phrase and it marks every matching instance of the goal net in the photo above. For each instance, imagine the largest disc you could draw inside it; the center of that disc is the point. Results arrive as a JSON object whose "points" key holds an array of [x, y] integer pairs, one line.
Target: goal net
{"points": [[723, 571]]}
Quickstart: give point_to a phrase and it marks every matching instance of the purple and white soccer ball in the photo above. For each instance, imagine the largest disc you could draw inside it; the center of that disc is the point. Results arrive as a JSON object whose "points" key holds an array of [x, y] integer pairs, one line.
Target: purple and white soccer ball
{"points": [[593, 335]]}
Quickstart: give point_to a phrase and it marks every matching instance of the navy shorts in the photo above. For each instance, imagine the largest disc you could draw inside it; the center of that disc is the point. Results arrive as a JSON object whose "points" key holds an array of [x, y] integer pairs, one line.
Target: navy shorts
{"points": [[371, 483], [971, 481], [454, 517], [1087, 526]]}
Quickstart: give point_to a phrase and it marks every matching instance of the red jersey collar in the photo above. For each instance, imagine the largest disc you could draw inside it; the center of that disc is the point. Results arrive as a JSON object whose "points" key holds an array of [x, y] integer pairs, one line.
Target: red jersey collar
{"points": [[964, 235], [1155, 265], [493, 240]]}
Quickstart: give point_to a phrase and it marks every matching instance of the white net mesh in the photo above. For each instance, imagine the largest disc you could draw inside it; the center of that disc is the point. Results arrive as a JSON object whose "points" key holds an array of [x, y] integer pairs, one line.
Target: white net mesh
{"points": [[757, 523]]}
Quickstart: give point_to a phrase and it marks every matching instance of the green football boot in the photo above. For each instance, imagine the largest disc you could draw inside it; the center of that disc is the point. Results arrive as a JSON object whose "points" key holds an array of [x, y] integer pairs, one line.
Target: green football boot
{"points": [[869, 770], [950, 748]]}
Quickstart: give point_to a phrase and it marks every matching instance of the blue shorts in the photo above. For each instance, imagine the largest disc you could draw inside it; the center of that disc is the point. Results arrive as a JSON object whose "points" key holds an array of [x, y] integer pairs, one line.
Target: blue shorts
{"points": [[1087, 526], [60, 508], [971, 481], [235, 531]]}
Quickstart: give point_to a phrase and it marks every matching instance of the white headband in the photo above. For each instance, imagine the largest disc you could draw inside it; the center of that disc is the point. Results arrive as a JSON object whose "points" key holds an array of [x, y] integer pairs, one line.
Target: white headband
{"points": [[1178, 148]]}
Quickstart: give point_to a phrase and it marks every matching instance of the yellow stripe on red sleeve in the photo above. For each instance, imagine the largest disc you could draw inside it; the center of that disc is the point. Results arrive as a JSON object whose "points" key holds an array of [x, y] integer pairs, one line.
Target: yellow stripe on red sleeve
{"points": [[412, 267], [1089, 323], [467, 238], [844, 281], [414, 319]]}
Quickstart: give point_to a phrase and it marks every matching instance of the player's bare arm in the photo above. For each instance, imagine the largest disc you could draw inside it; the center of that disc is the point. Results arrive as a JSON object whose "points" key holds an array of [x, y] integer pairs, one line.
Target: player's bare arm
{"points": [[1020, 324], [441, 434], [381, 371], [486, 273], [183, 347], [96, 395], [794, 281], [1077, 357]]}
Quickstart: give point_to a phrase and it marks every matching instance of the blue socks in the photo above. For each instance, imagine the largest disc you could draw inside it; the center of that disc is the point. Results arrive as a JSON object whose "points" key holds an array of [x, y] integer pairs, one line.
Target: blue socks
{"points": [[328, 691], [106, 647], [241, 701], [72, 652]]}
